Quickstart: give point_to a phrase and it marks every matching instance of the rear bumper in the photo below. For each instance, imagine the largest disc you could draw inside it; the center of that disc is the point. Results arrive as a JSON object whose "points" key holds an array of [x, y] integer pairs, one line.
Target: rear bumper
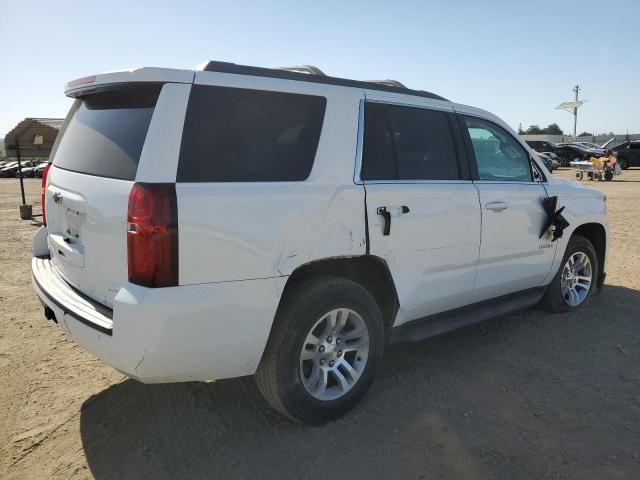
{"points": [[185, 333]]}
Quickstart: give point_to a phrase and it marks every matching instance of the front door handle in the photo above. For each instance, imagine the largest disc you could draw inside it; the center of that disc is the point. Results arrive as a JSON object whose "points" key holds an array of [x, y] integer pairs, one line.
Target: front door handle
{"points": [[386, 214], [496, 206]]}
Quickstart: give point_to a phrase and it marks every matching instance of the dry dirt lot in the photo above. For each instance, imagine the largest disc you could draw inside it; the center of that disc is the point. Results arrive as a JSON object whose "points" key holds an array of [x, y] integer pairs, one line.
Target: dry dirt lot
{"points": [[526, 396]]}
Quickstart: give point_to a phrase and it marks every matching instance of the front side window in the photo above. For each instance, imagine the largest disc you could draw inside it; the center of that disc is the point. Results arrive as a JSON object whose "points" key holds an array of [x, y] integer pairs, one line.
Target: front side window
{"points": [[498, 155], [407, 143], [241, 135]]}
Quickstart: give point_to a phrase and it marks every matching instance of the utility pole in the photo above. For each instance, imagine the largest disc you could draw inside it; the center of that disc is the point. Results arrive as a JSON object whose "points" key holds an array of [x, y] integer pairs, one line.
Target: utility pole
{"points": [[576, 90]]}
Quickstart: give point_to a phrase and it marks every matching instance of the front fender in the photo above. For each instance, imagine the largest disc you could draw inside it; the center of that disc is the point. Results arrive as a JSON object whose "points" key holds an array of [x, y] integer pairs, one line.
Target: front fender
{"points": [[582, 206]]}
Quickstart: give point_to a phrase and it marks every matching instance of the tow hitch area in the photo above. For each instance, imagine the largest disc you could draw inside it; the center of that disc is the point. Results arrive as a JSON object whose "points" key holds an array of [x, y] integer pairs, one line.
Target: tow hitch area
{"points": [[49, 315]]}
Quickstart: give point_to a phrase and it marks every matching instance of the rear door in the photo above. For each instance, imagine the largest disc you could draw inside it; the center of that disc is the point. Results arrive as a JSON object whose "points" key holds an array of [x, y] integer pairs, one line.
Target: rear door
{"points": [[512, 256], [423, 211], [95, 163]]}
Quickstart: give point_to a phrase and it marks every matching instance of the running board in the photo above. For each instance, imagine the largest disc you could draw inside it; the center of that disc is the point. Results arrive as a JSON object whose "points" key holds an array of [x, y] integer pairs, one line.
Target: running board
{"points": [[460, 317]]}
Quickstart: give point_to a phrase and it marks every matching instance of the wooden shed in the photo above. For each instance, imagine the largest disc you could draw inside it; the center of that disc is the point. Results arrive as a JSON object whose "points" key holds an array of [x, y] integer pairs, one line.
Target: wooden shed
{"points": [[31, 138]]}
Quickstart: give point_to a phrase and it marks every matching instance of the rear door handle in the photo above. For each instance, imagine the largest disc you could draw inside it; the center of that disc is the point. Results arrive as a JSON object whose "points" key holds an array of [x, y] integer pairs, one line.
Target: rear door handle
{"points": [[496, 206], [386, 214]]}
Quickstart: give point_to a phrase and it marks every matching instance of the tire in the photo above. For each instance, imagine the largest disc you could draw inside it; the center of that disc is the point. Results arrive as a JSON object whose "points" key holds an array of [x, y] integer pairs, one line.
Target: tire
{"points": [[554, 300], [624, 164], [282, 373], [579, 175]]}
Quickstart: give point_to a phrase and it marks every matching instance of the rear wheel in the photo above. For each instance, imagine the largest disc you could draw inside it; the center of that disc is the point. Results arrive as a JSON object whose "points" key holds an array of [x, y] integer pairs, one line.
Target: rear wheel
{"points": [[324, 350], [576, 279]]}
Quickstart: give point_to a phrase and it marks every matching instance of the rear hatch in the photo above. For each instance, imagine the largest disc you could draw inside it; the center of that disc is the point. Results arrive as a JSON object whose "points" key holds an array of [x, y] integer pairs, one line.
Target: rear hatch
{"points": [[95, 161]]}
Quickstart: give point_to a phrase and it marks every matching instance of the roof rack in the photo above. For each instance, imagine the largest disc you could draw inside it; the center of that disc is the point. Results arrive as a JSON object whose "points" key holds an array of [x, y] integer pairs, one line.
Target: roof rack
{"points": [[309, 69], [388, 82], [309, 73]]}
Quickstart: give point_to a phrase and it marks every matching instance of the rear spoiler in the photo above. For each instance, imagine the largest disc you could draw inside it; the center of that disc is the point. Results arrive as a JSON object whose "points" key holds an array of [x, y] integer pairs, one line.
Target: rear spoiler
{"points": [[146, 75]]}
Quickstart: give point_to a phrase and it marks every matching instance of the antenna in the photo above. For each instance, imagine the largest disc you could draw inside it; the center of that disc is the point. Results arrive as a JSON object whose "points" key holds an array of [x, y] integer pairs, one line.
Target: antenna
{"points": [[572, 107]]}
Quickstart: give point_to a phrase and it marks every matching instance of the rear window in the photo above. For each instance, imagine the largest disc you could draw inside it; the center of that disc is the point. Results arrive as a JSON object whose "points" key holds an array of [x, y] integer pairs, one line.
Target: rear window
{"points": [[407, 143], [241, 135], [105, 131]]}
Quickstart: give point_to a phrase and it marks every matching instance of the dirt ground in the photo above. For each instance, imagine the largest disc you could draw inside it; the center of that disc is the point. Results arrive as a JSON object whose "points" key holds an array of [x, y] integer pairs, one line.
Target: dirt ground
{"points": [[529, 396]]}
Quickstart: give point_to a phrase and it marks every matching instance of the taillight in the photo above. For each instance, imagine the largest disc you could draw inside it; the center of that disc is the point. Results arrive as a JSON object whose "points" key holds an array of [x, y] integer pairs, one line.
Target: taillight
{"points": [[152, 235], [43, 196]]}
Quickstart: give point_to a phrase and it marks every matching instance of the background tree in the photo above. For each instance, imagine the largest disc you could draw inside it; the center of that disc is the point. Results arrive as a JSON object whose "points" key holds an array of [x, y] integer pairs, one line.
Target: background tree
{"points": [[552, 129], [534, 130], [585, 134]]}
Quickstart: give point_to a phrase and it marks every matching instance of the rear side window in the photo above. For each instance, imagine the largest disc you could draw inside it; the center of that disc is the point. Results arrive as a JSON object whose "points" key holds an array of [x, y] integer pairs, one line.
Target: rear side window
{"points": [[105, 131], [241, 135], [406, 143]]}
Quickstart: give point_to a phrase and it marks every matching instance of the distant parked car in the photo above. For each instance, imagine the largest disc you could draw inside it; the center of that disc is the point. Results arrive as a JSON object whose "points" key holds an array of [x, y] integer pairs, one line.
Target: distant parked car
{"points": [[39, 169], [546, 159], [628, 154], [581, 151], [9, 170], [590, 145], [542, 146], [554, 159]]}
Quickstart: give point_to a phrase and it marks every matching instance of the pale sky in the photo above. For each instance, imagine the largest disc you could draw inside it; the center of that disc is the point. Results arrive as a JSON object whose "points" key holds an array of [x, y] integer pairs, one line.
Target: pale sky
{"points": [[517, 59]]}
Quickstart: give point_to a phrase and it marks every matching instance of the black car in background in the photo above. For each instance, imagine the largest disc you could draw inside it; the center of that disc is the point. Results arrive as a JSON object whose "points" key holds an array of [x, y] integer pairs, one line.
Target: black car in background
{"points": [[581, 151], [565, 155], [566, 152], [628, 154]]}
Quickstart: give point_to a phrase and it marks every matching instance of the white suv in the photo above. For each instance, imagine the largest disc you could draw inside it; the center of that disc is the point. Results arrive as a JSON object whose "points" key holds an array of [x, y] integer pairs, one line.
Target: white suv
{"points": [[234, 220]]}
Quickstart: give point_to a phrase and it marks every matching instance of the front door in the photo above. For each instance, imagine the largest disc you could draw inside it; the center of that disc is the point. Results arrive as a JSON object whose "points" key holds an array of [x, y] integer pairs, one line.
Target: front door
{"points": [[512, 256], [423, 210]]}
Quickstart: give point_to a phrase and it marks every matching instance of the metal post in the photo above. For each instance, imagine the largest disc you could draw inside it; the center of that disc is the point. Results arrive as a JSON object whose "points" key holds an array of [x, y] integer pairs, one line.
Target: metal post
{"points": [[576, 89], [24, 202]]}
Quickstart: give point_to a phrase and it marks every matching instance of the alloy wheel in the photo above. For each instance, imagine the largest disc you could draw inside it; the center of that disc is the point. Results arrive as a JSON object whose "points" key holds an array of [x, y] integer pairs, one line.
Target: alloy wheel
{"points": [[577, 275], [334, 354]]}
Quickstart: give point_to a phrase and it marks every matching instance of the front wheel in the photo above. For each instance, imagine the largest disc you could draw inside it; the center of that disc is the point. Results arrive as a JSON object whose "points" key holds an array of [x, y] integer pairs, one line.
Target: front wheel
{"points": [[576, 279], [325, 347]]}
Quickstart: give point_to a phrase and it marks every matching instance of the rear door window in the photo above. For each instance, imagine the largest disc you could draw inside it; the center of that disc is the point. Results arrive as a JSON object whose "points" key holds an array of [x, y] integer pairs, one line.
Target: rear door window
{"points": [[241, 135], [408, 143], [105, 131]]}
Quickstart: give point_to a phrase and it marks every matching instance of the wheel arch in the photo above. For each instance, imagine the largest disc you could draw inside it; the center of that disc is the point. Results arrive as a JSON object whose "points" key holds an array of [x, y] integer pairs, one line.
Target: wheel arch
{"points": [[369, 271], [597, 235]]}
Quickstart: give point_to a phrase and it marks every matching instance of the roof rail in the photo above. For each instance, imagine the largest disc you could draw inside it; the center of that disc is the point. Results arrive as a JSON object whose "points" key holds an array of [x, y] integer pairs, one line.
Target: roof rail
{"points": [[389, 82], [308, 73], [309, 69]]}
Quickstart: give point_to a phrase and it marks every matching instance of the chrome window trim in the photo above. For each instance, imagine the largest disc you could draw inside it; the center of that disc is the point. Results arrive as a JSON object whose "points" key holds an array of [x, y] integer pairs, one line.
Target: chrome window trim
{"points": [[506, 182], [440, 105], [417, 182], [359, 144]]}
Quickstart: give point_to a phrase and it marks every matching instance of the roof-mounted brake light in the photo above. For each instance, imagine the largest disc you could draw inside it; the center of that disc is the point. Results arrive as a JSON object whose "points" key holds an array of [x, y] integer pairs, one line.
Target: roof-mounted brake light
{"points": [[81, 81]]}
